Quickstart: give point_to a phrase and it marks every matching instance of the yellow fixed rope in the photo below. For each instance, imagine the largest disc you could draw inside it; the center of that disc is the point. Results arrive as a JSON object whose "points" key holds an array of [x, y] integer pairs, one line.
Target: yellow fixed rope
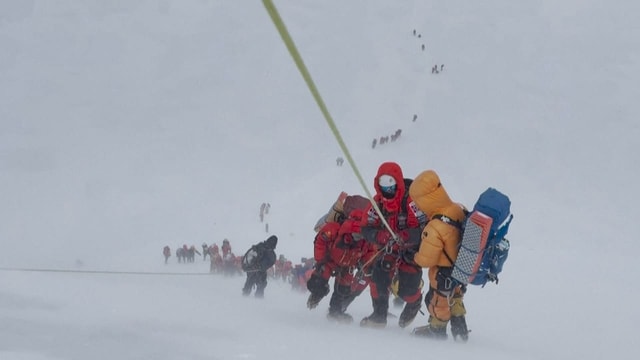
{"points": [[291, 46]]}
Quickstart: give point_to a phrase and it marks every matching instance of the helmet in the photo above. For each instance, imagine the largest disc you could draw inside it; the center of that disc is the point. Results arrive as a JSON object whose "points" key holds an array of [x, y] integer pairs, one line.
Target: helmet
{"points": [[387, 185]]}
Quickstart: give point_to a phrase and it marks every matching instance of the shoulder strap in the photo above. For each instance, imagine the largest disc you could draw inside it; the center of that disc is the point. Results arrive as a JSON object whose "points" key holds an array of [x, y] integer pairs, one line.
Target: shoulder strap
{"points": [[405, 197], [453, 263], [447, 220], [403, 205]]}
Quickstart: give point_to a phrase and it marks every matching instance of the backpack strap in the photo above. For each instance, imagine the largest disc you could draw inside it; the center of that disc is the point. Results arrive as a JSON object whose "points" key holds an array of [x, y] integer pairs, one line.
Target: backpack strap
{"points": [[447, 220], [453, 263], [405, 197]]}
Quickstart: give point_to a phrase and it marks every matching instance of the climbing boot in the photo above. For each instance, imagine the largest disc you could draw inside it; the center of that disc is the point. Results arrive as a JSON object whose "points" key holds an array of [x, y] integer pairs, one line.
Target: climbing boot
{"points": [[378, 319], [314, 300], [409, 313], [459, 328], [435, 330], [339, 317]]}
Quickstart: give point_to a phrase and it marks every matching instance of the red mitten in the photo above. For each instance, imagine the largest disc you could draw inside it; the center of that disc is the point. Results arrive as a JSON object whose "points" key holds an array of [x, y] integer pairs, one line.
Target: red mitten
{"points": [[349, 227]]}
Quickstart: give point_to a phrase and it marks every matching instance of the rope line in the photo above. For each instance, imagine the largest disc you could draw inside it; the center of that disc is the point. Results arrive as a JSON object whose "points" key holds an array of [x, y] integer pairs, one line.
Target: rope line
{"points": [[103, 272], [297, 59]]}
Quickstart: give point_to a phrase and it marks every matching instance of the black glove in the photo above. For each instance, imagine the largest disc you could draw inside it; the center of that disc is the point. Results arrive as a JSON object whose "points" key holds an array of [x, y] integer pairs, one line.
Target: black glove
{"points": [[408, 256], [317, 285]]}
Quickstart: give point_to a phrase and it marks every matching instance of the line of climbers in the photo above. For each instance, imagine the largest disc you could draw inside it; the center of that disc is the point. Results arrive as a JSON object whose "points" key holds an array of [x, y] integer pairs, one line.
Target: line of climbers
{"points": [[222, 259], [414, 225]]}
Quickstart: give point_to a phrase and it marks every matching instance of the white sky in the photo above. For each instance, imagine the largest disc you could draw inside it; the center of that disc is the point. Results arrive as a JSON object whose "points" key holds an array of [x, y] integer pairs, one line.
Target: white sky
{"points": [[129, 125]]}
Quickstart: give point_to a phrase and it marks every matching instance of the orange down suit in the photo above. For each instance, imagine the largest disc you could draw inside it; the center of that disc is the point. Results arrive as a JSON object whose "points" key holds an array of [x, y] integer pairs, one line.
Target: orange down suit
{"points": [[439, 240]]}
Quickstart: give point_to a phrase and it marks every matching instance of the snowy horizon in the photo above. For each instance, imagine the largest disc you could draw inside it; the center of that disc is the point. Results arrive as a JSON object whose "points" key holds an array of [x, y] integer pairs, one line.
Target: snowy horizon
{"points": [[126, 126]]}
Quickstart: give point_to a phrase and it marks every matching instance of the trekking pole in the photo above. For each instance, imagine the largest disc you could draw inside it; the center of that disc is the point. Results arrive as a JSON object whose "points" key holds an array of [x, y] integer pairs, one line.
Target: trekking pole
{"points": [[297, 59]]}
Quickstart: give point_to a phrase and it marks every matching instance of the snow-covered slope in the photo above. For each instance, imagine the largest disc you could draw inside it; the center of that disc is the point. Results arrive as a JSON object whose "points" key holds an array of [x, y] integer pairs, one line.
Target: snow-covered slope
{"points": [[129, 125]]}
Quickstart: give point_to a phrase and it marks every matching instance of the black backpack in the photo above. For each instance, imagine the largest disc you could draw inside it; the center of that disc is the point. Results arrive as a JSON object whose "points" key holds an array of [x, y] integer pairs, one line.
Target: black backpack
{"points": [[250, 259]]}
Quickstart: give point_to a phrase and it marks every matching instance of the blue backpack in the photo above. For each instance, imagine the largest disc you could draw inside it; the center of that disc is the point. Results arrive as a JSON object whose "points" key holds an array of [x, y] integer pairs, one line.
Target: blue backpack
{"points": [[484, 248]]}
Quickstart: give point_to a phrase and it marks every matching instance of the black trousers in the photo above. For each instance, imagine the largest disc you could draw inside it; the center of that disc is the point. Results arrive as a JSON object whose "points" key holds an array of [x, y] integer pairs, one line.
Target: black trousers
{"points": [[257, 279]]}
